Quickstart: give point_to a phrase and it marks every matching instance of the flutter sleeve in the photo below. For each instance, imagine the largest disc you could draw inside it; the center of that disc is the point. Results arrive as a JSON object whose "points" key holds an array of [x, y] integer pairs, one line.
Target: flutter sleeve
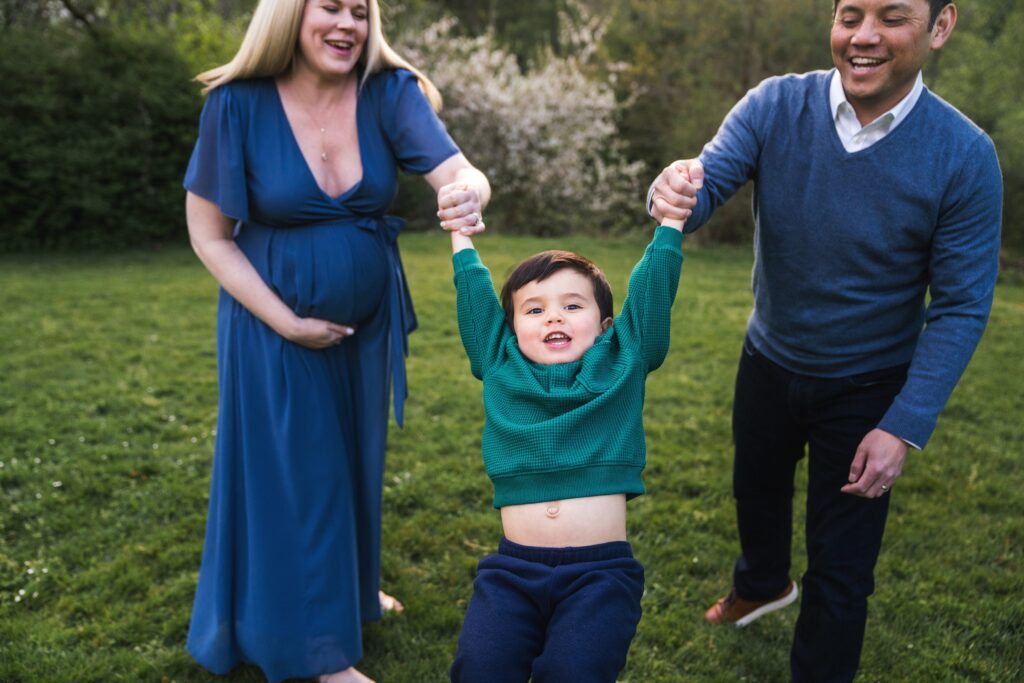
{"points": [[418, 137], [216, 171]]}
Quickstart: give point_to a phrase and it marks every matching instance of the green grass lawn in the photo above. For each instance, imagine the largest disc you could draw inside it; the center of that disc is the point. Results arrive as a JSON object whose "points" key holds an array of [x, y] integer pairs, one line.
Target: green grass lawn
{"points": [[107, 410]]}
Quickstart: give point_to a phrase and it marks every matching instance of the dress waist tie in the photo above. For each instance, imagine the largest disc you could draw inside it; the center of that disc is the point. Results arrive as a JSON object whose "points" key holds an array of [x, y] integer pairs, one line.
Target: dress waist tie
{"points": [[401, 318]]}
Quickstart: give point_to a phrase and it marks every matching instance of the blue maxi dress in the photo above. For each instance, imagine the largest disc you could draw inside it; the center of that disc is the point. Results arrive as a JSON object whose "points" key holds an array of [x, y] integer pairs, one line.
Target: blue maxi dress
{"points": [[291, 561]]}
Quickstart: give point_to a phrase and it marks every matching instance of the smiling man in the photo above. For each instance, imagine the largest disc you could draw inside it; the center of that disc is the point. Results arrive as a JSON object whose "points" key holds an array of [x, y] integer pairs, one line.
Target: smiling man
{"points": [[877, 212]]}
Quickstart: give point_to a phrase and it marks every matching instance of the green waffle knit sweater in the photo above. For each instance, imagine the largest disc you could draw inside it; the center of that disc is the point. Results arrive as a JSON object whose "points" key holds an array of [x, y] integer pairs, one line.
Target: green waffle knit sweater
{"points": [[574, 429]]}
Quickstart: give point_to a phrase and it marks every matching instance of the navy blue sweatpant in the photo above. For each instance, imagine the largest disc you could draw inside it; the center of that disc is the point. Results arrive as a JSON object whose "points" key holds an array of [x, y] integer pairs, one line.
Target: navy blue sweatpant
{"points": [[556, 614]]}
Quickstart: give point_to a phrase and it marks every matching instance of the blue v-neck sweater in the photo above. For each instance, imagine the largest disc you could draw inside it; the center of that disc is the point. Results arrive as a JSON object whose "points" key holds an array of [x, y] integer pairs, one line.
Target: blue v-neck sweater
{"points": [[847, 245]]}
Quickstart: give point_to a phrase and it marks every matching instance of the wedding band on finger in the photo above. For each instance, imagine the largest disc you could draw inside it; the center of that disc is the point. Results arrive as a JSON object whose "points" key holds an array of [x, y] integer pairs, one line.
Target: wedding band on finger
{"points": [[884, 488]]}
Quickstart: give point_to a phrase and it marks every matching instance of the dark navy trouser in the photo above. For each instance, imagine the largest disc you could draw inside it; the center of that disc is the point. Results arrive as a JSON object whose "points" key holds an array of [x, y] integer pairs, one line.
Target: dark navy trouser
{"points": [[556, 614], [776, 414]]}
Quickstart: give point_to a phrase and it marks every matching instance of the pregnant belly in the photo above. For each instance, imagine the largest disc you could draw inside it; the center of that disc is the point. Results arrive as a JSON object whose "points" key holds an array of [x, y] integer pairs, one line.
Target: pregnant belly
{"points": [[336, 272]]}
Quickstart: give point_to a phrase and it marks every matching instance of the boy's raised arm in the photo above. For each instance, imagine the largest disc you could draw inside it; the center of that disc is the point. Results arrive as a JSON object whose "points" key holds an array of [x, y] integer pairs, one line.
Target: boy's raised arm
{"points": [[480, 315], [460, 242], [646, 313]]}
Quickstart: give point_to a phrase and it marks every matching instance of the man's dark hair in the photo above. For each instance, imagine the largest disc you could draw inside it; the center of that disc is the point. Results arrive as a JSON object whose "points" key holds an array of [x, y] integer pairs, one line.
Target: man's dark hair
{"points": [[935, 6], [540, 267]]}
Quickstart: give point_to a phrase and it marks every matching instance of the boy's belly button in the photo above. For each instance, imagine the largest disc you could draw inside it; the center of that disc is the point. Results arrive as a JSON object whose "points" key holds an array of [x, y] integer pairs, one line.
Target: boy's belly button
{"points": [[571, 522]]}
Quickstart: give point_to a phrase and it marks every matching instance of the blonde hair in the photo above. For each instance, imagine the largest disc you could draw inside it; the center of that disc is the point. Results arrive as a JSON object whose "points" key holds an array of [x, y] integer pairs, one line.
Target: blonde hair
{"points": [[268, 49]]}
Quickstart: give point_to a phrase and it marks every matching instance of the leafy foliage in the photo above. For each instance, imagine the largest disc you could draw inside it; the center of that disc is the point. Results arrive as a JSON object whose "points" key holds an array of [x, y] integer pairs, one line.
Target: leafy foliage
{"points": [[976, 75], [94, 134], [546, 137]]}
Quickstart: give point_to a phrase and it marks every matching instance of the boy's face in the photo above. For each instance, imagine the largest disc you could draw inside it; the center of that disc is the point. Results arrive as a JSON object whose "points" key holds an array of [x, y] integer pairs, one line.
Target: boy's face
{"points": [[557, 319]]}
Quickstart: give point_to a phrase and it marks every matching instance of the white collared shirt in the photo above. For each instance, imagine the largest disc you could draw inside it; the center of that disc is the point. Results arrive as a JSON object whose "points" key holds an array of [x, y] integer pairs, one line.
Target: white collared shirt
{"points": [[853, 136]]}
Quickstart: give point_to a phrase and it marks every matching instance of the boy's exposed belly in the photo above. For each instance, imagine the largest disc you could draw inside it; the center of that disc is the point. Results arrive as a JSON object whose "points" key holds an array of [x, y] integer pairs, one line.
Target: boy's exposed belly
{"points": [[573, 522]]}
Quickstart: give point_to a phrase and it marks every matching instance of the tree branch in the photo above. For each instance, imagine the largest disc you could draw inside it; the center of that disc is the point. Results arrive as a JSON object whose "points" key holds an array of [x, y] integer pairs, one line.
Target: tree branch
{"points": [[81, 16]]}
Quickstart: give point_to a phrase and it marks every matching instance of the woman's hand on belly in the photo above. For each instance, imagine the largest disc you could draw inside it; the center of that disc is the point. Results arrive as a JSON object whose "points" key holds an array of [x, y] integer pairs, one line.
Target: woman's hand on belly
{"points": [[564, 523], [314, 333]]}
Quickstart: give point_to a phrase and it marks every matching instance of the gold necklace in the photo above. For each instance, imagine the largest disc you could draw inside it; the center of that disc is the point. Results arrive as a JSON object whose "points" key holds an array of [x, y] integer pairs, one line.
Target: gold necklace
{"points": [[323, 130], [323, 136]]}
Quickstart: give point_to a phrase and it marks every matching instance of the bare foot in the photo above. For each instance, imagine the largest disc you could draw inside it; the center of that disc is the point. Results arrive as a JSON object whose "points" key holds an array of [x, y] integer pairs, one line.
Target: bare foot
{"points": [[349, 675], [389, 603]]}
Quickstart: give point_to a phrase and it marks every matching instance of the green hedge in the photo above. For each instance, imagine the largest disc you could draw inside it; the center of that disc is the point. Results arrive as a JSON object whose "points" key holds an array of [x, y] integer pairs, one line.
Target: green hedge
{"points": [[95, 134]]}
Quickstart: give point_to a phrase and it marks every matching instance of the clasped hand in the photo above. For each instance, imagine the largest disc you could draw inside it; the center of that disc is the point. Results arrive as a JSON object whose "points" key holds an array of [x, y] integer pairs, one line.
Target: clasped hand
{"points": [[675, 191], [459, 209]]}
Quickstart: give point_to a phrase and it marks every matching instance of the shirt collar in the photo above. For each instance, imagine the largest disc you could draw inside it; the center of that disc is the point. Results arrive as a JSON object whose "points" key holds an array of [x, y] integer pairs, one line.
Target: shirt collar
{"points": [[837, 98]]}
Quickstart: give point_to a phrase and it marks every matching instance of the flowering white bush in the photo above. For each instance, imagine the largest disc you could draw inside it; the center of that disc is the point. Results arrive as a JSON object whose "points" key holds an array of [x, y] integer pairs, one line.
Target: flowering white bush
{"points": [[546, 138]]}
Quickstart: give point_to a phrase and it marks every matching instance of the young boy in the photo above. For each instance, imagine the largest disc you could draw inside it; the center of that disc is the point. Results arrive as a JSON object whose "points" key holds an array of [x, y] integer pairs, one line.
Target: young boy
{"points": [[564, 446]]}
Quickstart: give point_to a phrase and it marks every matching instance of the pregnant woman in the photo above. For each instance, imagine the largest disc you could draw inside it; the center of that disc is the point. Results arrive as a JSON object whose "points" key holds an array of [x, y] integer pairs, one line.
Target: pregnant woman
{"points": [[300, 141]]}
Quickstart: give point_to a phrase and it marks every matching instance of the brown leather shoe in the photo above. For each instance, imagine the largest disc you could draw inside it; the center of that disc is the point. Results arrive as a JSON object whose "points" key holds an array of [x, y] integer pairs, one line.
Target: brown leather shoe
{"points": [[732, 609]]}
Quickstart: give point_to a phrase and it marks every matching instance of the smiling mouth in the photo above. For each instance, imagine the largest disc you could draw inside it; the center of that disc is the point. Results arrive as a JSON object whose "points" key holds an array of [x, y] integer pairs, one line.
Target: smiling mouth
{"points": [[557, 339], [341, 44], [866, 62]]}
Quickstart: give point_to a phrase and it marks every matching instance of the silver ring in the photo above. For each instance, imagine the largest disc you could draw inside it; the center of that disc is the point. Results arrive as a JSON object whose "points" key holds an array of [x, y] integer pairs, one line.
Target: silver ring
{"points": [[884, 487]]}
